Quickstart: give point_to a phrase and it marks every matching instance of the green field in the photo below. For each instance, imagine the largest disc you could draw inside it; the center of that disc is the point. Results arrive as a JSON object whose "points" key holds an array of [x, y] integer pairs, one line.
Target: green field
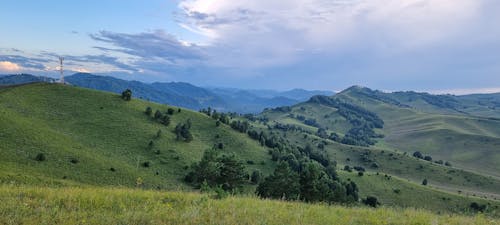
{"points": [[34, 205]]}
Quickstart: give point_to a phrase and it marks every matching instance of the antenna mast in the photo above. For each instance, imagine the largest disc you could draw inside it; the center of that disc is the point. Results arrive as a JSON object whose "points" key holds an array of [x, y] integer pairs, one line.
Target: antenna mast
{"points": [[61, 59]]}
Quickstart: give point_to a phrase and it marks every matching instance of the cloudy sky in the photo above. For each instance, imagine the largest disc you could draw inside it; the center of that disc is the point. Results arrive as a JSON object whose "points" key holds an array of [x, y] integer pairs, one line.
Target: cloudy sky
{"points": [[425, 45]]}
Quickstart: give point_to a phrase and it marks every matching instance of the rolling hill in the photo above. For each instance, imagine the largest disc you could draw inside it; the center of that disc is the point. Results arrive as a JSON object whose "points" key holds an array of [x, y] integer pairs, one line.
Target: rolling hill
{"points": [[96, 140], [84, 133]]}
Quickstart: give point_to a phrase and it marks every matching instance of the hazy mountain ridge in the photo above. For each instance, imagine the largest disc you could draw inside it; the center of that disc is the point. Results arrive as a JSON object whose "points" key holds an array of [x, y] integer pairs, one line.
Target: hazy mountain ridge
{"points": [[180, 93]]}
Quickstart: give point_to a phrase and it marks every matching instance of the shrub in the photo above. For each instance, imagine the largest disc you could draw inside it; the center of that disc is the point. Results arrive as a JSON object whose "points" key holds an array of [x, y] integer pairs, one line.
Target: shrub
{"points": [[360, 173], [418, 154], [424, 182], [127, 95], [112, 169], [477, 207], [40, 157], [149, 111], [74, 161], [158, 115], [256, 177], [428, 158], [371, 201], [170, 111], [146, 164]]}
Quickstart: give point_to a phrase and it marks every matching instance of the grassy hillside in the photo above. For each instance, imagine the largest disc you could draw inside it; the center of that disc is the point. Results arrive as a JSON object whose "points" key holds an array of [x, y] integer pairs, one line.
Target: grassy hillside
{"points": [[86, 134], [468, 142], [396, 168], [27, 205]]}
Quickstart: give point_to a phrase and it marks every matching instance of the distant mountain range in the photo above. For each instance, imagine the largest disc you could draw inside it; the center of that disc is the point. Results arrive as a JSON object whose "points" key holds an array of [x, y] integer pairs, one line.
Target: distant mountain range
{"points": [[180, 93]]}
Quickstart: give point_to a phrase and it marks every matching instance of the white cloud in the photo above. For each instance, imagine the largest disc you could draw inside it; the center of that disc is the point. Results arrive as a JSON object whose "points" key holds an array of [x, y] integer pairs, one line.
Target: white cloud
{"points": [[7, 66], [263, 32]]}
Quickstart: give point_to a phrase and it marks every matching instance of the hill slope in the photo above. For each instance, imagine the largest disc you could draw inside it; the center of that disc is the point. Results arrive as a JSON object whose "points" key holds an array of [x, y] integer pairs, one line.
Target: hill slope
{"points": [[85, 133], [469, 142]]}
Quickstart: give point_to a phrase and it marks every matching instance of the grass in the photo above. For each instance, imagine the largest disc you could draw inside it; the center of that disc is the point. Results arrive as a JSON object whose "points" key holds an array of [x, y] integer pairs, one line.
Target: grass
{"points": [[102, 131], [34, 205], [468, 142]]}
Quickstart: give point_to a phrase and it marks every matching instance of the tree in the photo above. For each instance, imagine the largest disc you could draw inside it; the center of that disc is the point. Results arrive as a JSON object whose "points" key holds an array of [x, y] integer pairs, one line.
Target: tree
{"points": [[255, 177], [371, 201], [418, 154], [158, 115], [170, 111], [182, 131], [149, 111], [165, 120], [428, 158], [218, 170], [40, 157], [282, 184], [127, 95], [232, 172], [424, 182]]}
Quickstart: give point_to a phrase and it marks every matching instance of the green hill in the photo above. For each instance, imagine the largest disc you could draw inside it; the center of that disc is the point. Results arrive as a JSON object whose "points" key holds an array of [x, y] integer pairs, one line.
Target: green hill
{"points": [[468, 142], [96, 138]]}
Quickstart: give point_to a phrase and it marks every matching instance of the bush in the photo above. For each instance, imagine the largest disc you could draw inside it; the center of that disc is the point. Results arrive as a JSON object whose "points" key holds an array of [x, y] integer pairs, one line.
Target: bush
{"points": [[149, 111], [112, 169], [360, 173], [424, 182], [74, 161], [418, 154], [146, 164], [40, 157], [477, 207], [371, 201], [127, 95], [428, 158], [256, 177], [170, 111]]}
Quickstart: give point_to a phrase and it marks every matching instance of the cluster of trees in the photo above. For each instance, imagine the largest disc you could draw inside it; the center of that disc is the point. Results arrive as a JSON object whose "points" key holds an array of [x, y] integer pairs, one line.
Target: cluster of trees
{"points": [[360, 136], [363, 121], [241, 126], [127, 95], [419, 155], [219, 170], [219, 116], [182, 131], [311, 184], [162, 118]]}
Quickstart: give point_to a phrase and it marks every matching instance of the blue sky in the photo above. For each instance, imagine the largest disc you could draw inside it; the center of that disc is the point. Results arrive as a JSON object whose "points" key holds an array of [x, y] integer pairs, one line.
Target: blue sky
{"points": [[424, 45]]}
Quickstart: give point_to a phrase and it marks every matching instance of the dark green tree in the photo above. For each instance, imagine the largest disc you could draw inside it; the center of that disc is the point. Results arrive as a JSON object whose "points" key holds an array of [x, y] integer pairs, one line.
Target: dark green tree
{"points": [[218, 171], [282, 184], [149, 111], [158, 115], [127, 95], [371, 201]]}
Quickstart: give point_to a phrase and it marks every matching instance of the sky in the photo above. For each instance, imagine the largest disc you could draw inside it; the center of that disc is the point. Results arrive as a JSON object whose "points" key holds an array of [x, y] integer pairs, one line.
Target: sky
{"points": [[439, 46]]}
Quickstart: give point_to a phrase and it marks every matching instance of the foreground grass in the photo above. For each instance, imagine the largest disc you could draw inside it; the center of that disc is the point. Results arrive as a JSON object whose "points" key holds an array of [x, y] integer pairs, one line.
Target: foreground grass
{"points": [[35, 205]]}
